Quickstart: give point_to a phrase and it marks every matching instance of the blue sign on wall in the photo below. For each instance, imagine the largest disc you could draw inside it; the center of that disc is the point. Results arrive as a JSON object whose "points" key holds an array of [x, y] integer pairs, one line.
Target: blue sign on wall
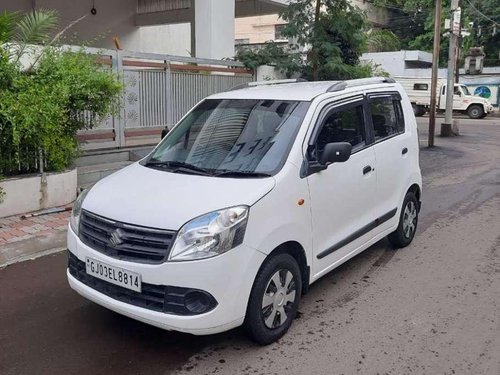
{"points": [[483, 92]]}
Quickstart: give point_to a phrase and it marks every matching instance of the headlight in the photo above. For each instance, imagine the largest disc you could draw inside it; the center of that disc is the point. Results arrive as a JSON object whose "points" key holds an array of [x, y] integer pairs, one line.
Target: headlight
{"points": [[77, 210], [210, 235]]}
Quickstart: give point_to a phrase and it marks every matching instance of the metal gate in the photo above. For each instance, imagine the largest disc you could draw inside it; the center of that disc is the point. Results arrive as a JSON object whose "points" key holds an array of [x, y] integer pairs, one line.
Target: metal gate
{"points": [[158, 91]]}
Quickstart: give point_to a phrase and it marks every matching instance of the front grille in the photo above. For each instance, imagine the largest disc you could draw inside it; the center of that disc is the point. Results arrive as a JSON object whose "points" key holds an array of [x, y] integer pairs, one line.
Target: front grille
{"points": [[162, 298], [130, 242]]}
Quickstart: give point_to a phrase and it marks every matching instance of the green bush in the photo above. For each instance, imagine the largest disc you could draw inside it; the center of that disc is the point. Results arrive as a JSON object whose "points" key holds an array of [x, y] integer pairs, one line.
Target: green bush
{"points": [[42, 109], [46, 100]]}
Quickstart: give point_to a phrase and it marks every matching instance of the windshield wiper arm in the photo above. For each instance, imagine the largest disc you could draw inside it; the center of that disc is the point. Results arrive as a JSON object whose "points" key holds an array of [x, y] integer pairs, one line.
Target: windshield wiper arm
{"points": [[241, 174], [178, 166]]}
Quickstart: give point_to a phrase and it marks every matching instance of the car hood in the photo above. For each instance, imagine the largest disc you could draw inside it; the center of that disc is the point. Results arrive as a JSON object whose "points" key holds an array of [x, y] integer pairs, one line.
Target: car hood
{"points": [[477, 98], [165, 200]]}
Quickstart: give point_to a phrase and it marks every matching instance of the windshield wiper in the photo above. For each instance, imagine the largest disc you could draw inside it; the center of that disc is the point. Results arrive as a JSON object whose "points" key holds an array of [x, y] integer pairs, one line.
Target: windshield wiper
{"points": [[228, 173], [178, 166]]}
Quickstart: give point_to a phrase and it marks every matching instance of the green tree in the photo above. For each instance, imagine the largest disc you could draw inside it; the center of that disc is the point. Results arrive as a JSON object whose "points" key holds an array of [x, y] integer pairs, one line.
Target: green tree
{"points": [[286, 61], [380, 40], [334, 31], [328, 38], [414, 24], [485, 16]]}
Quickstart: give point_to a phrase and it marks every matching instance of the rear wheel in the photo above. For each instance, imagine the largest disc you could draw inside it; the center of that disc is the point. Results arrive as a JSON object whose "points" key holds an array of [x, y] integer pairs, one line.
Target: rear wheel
{"points": [[408, 221], [475, 111], [274, 299]]}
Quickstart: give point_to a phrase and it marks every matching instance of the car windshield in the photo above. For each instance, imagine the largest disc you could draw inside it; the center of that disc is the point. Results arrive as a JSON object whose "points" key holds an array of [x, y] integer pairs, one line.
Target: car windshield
{"points": [[231, 137], [465, 90]]}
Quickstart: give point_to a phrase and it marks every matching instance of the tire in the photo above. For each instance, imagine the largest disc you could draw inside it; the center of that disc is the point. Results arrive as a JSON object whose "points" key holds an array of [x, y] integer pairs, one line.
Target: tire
{"points": [[408, 221], [475, 111], [418, 110], [269, 301]]}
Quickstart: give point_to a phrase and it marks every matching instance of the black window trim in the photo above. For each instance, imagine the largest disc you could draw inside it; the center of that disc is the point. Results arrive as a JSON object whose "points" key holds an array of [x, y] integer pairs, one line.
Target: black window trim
{"points": [[338, 106], [395, 96]]}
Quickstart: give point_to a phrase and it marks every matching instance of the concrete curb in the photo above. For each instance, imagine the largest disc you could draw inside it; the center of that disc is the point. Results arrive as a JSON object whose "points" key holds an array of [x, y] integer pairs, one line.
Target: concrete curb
{"points": [[24, 258], [32, 248]]}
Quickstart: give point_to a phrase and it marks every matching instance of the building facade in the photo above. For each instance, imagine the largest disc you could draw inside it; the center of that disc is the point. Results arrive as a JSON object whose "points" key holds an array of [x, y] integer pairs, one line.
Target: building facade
{"points": [[261, 29], [201, 28]]}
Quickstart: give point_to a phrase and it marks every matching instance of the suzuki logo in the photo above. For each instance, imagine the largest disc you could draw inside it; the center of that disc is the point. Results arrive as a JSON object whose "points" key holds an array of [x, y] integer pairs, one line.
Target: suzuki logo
{"points": [[116, 237]]}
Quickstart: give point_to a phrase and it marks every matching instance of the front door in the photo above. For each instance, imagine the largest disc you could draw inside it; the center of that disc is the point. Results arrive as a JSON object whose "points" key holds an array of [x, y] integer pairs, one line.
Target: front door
{"points": [[342, 195]]}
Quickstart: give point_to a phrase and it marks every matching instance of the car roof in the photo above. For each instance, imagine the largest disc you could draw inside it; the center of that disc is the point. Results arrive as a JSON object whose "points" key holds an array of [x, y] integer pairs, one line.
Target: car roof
{"points": [[299, 91]]}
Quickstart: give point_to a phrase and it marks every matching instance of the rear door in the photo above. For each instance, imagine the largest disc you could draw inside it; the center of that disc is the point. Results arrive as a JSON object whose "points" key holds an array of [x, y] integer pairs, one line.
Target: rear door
{"points": [[341, 195], [393, 148]]}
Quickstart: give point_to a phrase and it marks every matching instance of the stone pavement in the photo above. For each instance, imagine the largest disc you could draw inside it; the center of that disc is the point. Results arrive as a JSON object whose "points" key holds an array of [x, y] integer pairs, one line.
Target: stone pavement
{"points": [[25, 238]]}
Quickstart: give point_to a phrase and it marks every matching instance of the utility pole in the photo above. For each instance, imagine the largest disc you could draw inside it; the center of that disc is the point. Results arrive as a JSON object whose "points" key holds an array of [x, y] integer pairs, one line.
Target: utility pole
{"points": [[435, 63], [446, 126]]}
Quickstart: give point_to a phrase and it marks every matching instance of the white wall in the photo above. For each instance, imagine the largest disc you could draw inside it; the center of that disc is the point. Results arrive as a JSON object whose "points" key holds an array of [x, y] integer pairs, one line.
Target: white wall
{"points": [[113, 18], [214, 28], [27, 194], [392, 62], [170, 39], [395, 63]]}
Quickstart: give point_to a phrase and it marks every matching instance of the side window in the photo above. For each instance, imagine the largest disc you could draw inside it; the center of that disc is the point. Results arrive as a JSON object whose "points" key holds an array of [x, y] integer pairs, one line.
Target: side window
{"points": [[387, 117], [421, 86], [344, 125]]}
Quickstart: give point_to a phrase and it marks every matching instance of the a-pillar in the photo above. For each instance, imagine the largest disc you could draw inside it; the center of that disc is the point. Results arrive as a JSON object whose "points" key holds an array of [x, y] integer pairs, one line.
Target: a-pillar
{"points": [[214, 28]]}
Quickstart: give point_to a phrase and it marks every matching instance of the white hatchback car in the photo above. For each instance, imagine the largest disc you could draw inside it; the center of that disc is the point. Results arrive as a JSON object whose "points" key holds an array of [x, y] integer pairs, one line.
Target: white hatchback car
{"points": [[254, 195]]}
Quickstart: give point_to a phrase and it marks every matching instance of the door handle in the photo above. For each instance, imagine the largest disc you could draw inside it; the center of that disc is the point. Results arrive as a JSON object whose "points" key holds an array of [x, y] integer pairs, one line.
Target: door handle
{"points": [[367, 169], [405, 151]]}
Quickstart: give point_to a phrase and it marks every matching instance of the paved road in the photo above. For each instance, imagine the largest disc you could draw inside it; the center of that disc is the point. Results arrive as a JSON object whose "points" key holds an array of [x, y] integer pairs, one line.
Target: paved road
{"points": [[431, 308]]}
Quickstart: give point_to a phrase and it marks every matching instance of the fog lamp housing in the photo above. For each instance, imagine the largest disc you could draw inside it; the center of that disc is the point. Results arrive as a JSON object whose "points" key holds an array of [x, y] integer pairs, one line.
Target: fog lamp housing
{"points": [[198, 302]]}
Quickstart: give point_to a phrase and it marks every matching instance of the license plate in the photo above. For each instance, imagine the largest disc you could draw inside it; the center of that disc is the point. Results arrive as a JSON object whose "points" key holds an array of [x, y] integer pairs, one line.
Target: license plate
{"points": [[113, 275]]}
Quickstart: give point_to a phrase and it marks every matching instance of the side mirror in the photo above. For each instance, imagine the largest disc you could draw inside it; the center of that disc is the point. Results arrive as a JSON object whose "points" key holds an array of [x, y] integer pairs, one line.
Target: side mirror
{"points": [[337, 152]]}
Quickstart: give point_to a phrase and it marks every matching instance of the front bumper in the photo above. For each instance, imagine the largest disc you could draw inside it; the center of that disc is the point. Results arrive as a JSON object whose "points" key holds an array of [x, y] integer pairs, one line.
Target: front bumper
{"points": [[228, 278]]}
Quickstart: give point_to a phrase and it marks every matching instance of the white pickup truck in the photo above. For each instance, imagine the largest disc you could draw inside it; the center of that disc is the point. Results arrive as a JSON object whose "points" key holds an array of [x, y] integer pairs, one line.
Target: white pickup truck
{"points": [[419, 92]]}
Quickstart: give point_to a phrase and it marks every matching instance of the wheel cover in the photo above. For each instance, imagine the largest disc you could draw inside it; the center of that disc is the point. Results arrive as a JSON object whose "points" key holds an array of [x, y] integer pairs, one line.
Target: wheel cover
{"points": [[410, 215], [279, 297]]}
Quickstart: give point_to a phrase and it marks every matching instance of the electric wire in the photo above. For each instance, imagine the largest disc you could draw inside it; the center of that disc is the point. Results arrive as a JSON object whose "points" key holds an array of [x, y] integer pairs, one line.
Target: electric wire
{"points": [[482, 14]]}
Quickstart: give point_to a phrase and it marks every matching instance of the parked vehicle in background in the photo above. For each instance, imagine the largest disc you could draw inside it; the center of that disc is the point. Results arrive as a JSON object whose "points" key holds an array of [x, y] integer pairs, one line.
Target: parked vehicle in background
{"points": [[419, 92], [255, 194]]}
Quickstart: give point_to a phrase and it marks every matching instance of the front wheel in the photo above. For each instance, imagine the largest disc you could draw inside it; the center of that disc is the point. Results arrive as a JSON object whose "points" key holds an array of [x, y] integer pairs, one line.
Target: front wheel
{"points": [[475, 111], [408, 221], [274, 299]]}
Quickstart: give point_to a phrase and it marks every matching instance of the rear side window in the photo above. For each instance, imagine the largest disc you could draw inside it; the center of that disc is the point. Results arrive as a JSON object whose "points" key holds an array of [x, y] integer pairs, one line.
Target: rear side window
{"points": [[421, 86], [343, 125], [387, 117]]}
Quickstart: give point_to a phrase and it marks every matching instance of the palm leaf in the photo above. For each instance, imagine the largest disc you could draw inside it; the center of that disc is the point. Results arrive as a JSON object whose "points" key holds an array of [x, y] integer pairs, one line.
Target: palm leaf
{"points": [[7, 25], [35, 27]]}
